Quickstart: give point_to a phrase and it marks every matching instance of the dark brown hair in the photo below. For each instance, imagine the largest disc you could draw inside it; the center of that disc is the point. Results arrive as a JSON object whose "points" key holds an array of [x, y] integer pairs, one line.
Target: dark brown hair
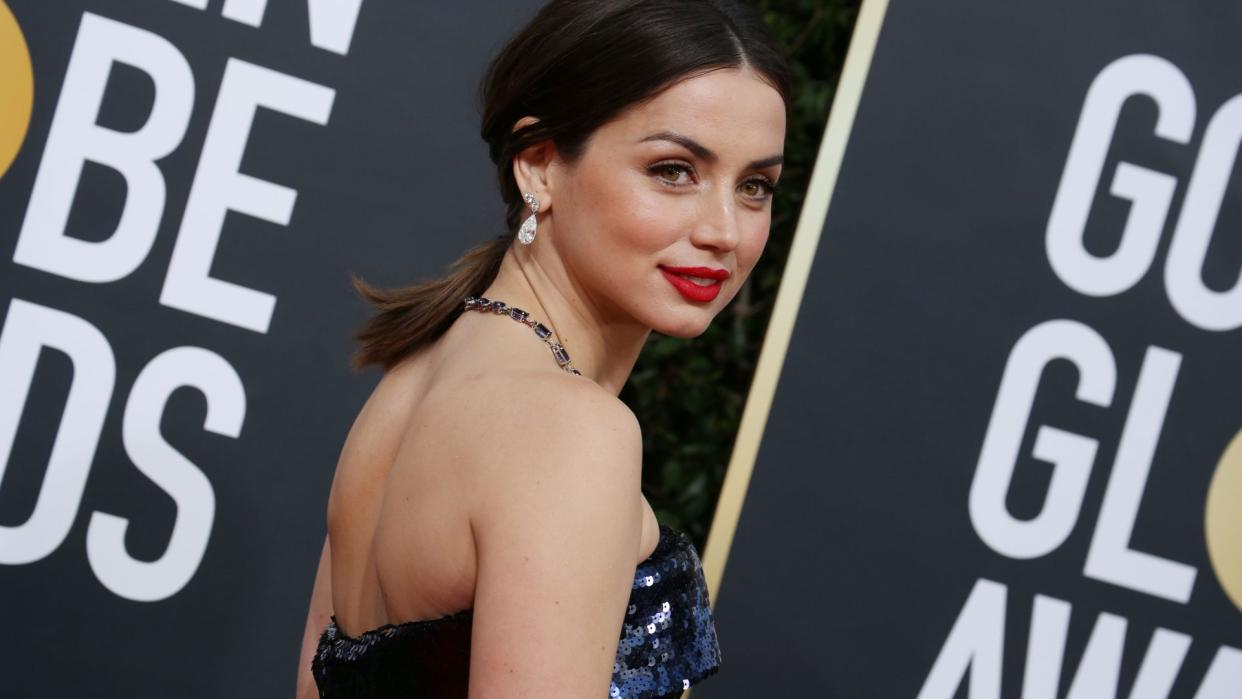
{"points": [[575, 66]]}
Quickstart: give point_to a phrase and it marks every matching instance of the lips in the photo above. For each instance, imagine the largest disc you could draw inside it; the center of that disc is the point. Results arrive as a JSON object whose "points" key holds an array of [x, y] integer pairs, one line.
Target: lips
{"points": [[694, 290]]}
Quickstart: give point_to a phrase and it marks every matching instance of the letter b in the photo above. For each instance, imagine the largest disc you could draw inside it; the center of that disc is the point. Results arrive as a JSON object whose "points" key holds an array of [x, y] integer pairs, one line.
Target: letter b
{"points": [[75, 138]]}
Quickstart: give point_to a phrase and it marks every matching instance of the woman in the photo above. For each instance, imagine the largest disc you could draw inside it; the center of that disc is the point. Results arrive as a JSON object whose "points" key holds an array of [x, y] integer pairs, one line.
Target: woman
{"points": [[486, 527]]}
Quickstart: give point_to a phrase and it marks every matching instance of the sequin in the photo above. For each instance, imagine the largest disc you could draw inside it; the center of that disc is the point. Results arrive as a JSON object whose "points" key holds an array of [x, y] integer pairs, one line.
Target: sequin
{"points": [[667, 643]]}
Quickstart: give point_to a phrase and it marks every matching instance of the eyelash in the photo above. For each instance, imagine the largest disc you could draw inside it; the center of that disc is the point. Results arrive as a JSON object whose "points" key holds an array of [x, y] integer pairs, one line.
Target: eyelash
{"points": [[660, 167]]}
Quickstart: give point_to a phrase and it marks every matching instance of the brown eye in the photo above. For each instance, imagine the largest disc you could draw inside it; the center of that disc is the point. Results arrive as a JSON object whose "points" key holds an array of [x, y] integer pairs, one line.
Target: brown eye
{"points": [[670, 173], [758, 188]]}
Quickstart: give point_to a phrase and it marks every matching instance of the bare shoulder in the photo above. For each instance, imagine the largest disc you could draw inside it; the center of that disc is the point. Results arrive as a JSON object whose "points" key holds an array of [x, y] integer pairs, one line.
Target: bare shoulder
{"points": [[557, 515], [523, 439], [551, 440], [546, 421]]}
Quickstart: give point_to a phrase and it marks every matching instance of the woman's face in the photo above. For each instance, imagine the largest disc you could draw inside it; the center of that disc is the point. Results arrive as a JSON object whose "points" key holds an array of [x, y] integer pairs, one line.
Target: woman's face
{"points": [[681, 181]]}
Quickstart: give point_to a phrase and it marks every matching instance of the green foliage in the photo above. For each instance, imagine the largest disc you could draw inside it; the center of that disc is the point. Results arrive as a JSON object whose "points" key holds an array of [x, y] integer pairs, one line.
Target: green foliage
{"points": [[689, 394]]}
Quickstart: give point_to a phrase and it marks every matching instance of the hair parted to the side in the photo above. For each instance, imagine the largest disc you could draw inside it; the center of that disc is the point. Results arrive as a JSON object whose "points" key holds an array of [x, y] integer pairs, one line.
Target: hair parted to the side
{"points": [[575, 66]]}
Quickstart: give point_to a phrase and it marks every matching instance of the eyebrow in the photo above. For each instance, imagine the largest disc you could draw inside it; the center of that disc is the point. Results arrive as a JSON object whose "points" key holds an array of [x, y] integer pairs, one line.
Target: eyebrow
{"points": [[703, 152]]}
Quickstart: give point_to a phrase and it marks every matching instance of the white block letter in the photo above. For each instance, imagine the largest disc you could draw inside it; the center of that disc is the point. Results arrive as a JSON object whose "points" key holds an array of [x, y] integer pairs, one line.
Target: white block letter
{"points": [[219, 187], [976, 642], [1110, 557], [166, 467], [1224, 677], [1183, 271], [1148, 191], [1161, 664], [27, 330], [1070, 454], [1045, 651], [1100, 666], [75, 138], [332, 22]]}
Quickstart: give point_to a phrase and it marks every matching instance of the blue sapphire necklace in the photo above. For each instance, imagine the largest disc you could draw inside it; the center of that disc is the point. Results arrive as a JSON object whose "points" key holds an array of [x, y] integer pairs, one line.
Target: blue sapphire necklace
{"points": [[478, 303]]}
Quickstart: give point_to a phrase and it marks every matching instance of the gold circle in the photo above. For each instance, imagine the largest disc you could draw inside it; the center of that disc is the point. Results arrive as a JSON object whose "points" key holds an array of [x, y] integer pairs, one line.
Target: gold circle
{"points": [[16, 87], [1222, 521]]}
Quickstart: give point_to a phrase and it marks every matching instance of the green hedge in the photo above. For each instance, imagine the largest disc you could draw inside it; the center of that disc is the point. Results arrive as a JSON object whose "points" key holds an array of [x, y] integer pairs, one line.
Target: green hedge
{"points": [[689, 394]]}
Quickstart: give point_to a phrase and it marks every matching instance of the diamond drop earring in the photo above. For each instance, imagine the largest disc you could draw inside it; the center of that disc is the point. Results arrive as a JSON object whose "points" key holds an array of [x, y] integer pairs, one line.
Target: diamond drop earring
{"points": [[526, 234]]}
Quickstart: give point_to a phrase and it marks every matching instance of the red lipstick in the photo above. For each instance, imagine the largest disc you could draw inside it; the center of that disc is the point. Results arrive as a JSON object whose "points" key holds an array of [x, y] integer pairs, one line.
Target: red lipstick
{"points": [[691, 290]]}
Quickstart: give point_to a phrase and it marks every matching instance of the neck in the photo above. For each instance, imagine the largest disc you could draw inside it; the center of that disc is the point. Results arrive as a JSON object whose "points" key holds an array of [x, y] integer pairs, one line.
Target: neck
{"points": [[601, 344]]}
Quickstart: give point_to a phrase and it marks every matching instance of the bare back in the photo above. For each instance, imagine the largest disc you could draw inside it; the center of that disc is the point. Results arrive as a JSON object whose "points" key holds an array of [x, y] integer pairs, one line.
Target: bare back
{"points": [[408, 483]]}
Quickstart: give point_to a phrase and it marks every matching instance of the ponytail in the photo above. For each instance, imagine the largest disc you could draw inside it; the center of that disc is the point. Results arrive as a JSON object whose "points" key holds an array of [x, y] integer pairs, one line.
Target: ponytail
{"points": [[413, 317]]}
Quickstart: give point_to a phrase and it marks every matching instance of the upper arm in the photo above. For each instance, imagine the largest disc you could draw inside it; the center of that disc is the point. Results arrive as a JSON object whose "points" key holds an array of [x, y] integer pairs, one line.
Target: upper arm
{"points": [[557, 531], [317, 616]]}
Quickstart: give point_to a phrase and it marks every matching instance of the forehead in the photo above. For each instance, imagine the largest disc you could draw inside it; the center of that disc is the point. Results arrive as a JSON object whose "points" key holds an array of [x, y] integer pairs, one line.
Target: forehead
{"points": [[731, 111]]}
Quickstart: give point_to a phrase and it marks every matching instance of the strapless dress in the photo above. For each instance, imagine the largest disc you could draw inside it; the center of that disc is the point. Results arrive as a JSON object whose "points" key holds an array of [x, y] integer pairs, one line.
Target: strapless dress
{"points": [[668, 641]]}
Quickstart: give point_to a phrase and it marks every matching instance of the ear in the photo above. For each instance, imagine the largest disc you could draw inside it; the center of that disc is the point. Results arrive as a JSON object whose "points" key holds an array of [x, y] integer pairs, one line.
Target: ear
{"points": [[530, 167]]}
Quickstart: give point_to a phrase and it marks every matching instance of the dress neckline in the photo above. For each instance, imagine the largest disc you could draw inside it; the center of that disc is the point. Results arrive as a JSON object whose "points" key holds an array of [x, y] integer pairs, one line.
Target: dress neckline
{"points": [[668, 537]]}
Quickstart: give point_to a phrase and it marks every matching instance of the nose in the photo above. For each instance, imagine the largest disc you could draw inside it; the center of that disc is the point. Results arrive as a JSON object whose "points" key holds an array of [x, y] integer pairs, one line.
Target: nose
{"points": [[717, 226]]}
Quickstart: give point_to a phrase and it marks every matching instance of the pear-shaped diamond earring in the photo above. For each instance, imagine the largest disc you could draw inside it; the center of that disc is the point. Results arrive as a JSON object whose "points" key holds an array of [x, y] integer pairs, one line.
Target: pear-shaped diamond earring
{"points": [[526, 234]]}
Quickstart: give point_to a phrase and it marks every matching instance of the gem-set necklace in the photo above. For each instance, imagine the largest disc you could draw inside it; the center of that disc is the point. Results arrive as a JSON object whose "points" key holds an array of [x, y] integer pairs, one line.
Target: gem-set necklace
{"points": [[478, 303]]}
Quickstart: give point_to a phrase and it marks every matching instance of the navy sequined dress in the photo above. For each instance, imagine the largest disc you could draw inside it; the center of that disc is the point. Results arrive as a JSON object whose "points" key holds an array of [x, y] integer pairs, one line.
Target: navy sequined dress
{"points": [[668, 641]]}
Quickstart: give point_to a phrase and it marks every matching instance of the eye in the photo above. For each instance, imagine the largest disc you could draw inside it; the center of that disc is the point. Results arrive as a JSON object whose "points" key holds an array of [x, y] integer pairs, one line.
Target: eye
{"points": [[669, 172], [759, 188]]}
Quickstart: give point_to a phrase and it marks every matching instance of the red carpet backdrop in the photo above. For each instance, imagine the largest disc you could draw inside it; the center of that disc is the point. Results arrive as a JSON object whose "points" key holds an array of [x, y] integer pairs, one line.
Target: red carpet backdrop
{"points": [[1003, 457], [184, 187]]}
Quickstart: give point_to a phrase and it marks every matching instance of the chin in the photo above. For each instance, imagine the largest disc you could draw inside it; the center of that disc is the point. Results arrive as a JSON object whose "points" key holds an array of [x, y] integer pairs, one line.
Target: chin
{"points": [[686, 328]]}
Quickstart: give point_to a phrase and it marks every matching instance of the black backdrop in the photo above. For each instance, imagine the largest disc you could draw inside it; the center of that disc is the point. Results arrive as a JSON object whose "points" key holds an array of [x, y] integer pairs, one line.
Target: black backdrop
{"points": [[392, 185], [858, 569]]}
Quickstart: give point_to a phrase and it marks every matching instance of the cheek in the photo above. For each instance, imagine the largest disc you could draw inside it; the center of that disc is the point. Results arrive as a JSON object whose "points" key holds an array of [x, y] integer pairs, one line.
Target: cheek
{"points": [[629, 215], [657, 220], [753, 242], [617, 228]]}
